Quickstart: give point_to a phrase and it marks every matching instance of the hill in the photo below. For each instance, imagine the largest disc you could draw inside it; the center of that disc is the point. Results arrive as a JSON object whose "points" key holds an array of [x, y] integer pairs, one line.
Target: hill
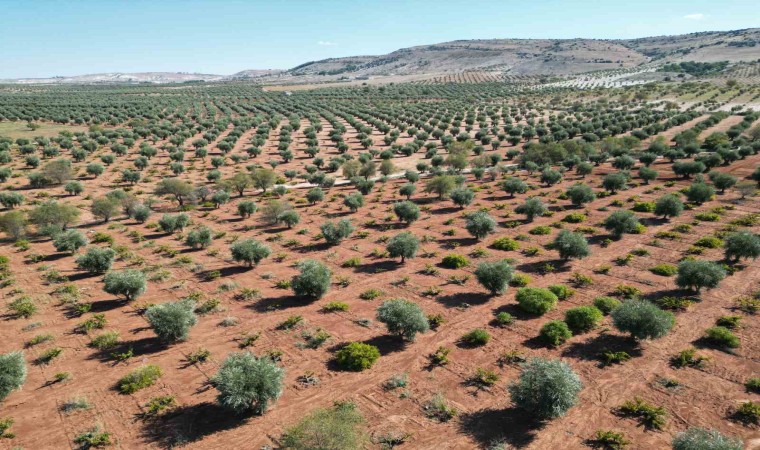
{"points": [[510, 57]]}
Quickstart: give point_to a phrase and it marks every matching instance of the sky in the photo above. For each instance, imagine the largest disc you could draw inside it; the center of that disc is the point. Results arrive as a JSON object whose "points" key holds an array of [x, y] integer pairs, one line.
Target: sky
{"points": [[41, 38]]}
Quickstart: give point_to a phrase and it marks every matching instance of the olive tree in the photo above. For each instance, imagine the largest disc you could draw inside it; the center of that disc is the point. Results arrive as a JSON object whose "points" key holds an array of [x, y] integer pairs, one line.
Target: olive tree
{"points": [[176, 188], [642, 319], [742, 244], [696, 274], [702, 439], [339, 427], [699, 192], [531, 208], [462, 196], [613, 182], [494, 276], [172, 321], [571, 245], [669, 205], [246, 209], [249, 251], [580, 194], [480, 224], [514, 186], [248, 384], [621, 222], [12, 373], [334, 232], [403, 317], [96, 259], [200, 237], [722, 181], [546, 388], [354, 201], [128, 283], [312, 281], [403, 245], [69, 241], [406, 211]]}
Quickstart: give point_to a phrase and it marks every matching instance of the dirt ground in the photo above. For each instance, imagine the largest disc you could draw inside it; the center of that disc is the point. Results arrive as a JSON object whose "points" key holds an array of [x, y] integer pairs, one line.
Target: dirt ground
{"points": [[703, 397]]}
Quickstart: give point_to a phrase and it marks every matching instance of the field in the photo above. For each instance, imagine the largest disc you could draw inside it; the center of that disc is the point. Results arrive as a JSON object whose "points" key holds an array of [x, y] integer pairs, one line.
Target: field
{"points": [[299, 156]]}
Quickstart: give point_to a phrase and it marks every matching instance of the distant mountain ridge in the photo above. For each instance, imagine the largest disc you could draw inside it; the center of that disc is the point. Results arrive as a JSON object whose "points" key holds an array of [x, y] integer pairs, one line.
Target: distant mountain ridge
{"points": [[508, 56]]}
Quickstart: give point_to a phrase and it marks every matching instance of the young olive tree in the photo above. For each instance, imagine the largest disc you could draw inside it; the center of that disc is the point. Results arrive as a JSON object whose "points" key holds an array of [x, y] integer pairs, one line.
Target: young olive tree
{"points": [[249, 251], [642, 319], [403, 317], [12, 373], [313, 280], [571, 245], [128, 283], [403, 245], [494, 276], [546, 388], [248, 384], [172, 321]]}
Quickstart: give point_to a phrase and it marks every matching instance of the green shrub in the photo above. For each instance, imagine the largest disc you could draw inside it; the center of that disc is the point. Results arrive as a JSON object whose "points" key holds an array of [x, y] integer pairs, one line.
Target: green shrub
{"points": [[536, 300], [519, 280], [665, 270], [583, 318], [105, 341], [561, 291], [139, 379], [505, 243], [454, 261], [476, 337], [652, 417], [709, 242], [555, 333], [547, 389], [437, 408], [540, 230], [93, 438], [357, 356], [246, 383], [722, 337], [23, 307], [606, 304], [335, 306], [748, 412], [504, 318]]}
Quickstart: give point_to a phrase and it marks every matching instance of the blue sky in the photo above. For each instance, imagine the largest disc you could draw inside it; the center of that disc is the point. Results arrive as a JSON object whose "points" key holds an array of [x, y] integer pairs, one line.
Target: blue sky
{"points": [[41, 38]]}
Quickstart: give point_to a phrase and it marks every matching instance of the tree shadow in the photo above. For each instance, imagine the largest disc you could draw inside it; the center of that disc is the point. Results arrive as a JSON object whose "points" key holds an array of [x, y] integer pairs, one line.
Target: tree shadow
{"points": [[559, 266], [107, 305], [138, 347], [279, 303], [83, 275], [187, 424], [446, 210], [387, 343], [378, 267], [510, 425], [223, 272], [55, 256], [458, 242], [316, 247], [592, 348], [463, 298]]}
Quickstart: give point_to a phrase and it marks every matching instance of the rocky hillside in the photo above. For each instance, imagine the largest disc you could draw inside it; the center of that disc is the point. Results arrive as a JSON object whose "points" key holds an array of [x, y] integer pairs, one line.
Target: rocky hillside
{"points": [[544, 56]]}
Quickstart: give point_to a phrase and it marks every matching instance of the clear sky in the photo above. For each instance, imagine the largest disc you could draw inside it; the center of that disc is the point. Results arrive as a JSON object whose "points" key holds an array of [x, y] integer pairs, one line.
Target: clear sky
{"points": [[40, 38]]}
